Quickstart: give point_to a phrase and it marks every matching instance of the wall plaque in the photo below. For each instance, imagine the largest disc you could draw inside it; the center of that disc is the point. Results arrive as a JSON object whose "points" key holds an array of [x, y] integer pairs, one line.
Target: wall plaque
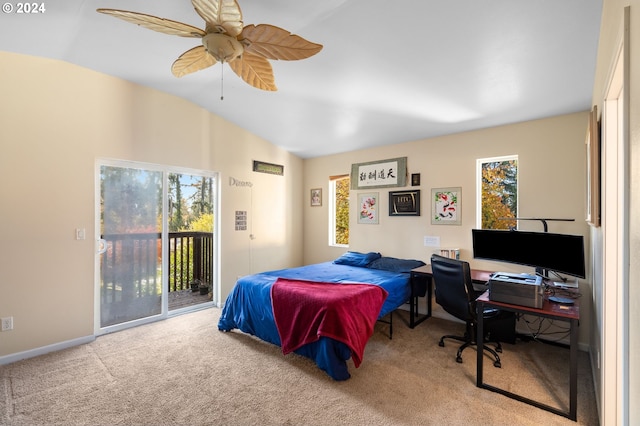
{"points": [[272, 169], [379, 174]]}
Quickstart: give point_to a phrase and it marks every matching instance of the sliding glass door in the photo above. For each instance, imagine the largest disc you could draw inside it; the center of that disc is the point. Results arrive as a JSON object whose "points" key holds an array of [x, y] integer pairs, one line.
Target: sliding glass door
{"points": [[131, 244], [157, 247], [190, 248]]}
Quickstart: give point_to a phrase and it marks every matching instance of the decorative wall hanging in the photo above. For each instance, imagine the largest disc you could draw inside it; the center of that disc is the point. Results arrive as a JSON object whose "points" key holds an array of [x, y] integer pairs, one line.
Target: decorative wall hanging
{"points": [[316, 197], [379, 174], [241, 220], [404, 203], [415, 179], [445, 206], [593, 169], [272, 169], [368, 208], [237, 182]]}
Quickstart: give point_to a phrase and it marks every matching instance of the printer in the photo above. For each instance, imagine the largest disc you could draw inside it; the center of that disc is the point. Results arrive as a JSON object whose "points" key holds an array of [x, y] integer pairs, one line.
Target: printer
{"points": [[517, 289]]}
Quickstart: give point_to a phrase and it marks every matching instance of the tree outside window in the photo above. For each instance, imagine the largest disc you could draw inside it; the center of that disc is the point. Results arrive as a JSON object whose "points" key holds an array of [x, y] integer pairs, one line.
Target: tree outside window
{"points": [[339, 210], [498, 188]]}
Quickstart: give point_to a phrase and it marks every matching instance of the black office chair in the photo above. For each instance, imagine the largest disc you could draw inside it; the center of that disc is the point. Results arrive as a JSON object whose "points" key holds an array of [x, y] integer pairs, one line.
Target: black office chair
{"points": [[455, 293]]}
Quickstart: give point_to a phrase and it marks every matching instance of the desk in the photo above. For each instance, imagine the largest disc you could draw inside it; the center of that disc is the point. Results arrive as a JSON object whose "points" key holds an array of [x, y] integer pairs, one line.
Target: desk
{"points": [[424, 273], [570, 313]]}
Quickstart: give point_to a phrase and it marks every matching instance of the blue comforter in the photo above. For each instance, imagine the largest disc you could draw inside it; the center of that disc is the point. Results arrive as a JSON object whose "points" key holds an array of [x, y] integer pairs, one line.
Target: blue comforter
{"points": [[248, 307]]}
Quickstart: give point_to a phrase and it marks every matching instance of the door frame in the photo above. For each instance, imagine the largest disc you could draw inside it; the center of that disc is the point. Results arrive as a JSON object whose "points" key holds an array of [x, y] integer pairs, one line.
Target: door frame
{"points": [[614, 391], [165, 313]]}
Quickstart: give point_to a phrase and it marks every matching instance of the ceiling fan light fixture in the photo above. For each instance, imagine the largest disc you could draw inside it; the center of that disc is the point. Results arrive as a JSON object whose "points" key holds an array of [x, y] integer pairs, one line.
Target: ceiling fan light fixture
{"points": [[222, 47], [247, 49]]}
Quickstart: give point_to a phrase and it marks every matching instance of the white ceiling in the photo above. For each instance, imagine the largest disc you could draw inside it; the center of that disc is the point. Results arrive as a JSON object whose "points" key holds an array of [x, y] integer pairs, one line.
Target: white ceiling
{"points": [[389, 72]]}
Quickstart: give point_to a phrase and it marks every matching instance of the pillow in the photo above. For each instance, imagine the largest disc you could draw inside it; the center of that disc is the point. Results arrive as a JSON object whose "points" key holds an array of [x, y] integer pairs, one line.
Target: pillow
{"points": [[395, 265], [353, 258]]}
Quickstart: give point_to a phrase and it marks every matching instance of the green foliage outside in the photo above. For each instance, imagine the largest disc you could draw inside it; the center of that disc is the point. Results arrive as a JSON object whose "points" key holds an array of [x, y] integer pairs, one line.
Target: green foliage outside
{"points": [[342, 211], [190, 209], [204, 223], [499, 194], [190, 198], [180, 266]]}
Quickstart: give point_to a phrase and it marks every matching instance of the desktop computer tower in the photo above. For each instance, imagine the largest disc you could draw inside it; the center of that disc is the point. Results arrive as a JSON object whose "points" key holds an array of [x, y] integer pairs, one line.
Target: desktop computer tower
{"points": [[501, 328]]}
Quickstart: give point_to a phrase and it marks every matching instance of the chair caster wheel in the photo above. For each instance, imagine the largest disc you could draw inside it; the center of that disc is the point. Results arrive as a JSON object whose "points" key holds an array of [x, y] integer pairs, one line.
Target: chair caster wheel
{"points": [[459, 359], [441, 344], [499, 350], [497, 364]]}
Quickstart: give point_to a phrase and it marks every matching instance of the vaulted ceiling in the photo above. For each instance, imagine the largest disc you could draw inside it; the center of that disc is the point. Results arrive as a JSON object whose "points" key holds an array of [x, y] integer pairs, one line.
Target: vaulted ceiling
{"points": [[389, 71]]}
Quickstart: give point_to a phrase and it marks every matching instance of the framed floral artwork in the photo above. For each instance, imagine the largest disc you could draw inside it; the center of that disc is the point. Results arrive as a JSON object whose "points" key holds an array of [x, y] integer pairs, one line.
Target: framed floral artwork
{"points": [[316, 197], [368, 208], [445, 206]]}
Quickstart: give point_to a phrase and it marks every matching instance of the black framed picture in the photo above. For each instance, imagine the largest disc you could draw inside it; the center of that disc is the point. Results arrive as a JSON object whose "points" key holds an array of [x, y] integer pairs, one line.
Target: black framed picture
{"points": [[404, 203]]}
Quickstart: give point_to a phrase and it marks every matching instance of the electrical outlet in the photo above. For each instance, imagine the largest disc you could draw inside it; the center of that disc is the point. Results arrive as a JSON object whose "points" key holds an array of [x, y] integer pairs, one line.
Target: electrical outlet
{"points": [[7, 323]]}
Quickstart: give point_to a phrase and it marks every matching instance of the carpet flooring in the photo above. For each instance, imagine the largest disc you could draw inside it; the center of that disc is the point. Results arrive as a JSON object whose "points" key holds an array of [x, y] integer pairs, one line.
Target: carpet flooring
{"points": [[183, 371]]}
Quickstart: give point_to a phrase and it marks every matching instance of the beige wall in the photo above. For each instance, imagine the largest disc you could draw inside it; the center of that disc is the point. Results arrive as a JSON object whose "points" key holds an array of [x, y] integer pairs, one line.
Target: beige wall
{"points": [[56, 120], [551, 169]]}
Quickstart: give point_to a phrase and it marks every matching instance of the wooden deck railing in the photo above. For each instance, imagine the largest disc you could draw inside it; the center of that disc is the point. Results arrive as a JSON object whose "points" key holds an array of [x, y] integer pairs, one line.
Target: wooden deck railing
{"points": [[189, 257]]}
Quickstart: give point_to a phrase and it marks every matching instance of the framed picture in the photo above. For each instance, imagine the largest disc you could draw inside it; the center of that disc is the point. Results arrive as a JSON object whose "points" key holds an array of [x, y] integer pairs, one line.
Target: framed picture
{"points": [[404, 203], [316, 197], [270, 168], [445, 206], [379, 174], [415, 179], [368, 211], [593, 169]]}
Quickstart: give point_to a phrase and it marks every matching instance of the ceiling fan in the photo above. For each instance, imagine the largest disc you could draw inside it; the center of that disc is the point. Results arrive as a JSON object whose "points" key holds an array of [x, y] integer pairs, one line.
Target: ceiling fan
{"points": [[224, 39]]}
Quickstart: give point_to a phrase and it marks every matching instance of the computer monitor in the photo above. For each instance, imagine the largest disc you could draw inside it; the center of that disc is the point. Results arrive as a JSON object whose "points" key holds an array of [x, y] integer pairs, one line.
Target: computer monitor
{"points": [[561, 253]]}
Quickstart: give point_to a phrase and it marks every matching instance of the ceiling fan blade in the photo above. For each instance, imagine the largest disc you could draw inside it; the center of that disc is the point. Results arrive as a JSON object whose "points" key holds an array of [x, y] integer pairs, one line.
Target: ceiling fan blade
{"points": [[192, 60], [255, 70], [275, 43], [162, 25], [220, 15]]}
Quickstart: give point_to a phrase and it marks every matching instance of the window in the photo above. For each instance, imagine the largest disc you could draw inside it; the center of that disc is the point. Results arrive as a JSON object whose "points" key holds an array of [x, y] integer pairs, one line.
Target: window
{"points": [[497, 192], [339, 210]]}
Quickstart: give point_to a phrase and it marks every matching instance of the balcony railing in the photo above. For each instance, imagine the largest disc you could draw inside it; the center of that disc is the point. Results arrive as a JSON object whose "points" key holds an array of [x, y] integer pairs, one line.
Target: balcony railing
{"points": [[189, 257]]}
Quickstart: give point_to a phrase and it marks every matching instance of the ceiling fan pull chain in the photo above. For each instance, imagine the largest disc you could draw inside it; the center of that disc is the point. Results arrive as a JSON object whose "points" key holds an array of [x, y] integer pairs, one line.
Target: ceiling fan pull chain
{"points": [[222, 81]]}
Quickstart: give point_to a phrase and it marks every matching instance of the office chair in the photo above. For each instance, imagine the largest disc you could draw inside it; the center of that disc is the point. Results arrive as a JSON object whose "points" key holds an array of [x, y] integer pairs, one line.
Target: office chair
{"points": [[454, 292]]}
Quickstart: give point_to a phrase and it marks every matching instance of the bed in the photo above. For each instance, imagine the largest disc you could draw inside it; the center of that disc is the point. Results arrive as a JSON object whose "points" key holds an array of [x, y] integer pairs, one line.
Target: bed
{"points": [[323, 311]]}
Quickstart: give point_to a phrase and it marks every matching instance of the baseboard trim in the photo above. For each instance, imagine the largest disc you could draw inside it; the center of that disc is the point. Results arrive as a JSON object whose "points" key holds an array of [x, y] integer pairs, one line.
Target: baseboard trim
{"points": [[31, 353]]}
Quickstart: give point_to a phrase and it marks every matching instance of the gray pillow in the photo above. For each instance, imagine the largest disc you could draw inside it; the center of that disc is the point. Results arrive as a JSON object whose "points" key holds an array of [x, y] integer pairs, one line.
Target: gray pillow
{"points": [[353, 258], [395, 265]]}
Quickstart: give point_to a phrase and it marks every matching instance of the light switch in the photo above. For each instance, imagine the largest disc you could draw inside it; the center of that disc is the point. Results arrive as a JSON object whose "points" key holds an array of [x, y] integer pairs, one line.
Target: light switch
{"points": [[80, 234]]}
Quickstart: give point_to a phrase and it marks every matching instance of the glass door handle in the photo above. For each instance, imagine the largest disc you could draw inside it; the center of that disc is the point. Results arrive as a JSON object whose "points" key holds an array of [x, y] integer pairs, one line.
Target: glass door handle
{"points": [[102, 246]]}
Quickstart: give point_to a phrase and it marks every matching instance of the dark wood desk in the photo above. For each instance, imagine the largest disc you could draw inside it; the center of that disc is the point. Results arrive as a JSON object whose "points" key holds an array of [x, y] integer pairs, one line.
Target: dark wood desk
{"points": [[478, 276], [552, 310]]}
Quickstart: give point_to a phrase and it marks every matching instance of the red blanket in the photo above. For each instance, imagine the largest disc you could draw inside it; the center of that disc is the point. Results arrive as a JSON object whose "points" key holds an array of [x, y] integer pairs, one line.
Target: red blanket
{"points": [[305, 310]]}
